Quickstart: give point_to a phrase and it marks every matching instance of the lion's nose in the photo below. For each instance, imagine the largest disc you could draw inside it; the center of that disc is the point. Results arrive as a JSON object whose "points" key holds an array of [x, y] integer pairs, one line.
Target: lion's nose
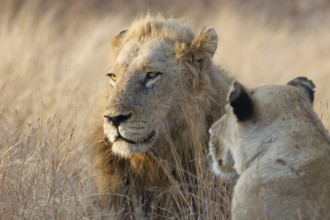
{"points": [[116, 120]]}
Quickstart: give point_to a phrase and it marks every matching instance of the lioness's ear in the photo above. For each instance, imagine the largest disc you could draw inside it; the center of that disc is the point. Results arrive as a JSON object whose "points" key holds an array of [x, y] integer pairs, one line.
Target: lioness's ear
{"points": [[240, 101], [306, 84], [204, 46]]}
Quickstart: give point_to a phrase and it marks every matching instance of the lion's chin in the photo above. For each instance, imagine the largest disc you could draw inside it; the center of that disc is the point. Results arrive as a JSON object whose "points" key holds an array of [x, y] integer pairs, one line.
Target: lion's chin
{"points": [[125, 149]]}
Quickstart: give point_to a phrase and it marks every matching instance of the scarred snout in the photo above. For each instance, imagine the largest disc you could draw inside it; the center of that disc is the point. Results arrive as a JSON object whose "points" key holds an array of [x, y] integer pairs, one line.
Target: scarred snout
{"points": [[117, 119]]}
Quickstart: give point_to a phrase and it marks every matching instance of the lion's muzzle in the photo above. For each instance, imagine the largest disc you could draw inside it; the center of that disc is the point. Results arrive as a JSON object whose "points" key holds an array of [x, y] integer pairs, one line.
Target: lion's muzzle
{"points": [[128, 136]]}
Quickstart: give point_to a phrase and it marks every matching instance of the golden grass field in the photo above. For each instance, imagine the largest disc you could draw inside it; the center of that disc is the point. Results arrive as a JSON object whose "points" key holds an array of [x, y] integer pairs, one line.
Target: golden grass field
{"points": [[53, 61]]}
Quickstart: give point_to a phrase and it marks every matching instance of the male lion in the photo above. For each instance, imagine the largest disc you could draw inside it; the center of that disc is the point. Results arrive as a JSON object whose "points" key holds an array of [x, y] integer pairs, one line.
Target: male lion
{"points": [[279, 148], [164, 93]]}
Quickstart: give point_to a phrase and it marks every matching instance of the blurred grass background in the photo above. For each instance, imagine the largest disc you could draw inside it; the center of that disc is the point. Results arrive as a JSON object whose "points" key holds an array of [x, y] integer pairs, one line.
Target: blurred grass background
{"points": [[53, 60]]}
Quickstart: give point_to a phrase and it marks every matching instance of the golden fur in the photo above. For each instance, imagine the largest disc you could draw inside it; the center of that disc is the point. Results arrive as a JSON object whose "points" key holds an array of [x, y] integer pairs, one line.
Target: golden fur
{"points": [[279, 148], [163, 95]]}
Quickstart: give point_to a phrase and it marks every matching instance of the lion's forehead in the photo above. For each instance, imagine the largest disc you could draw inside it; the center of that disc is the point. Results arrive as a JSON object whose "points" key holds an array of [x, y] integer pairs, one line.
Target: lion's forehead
{"points": [[136, 54]]}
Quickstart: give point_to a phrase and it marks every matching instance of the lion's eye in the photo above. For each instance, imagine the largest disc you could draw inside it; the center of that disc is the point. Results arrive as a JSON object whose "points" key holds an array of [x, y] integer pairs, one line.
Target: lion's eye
{"points": [[151, 78], [151, 75], [112, 76]]}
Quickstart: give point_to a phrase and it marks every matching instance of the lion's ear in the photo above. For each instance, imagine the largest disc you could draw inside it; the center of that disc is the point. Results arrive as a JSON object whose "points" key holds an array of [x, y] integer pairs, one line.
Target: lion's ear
{"points": [[240, 101], [306, 84], [203, 47], [116, 43], [121, 34]]}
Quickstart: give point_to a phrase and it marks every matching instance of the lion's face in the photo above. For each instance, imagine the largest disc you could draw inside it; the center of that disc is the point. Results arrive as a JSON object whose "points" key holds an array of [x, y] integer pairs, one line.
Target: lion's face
{"points": [[155, 65], [253, 118], [142, 89]]}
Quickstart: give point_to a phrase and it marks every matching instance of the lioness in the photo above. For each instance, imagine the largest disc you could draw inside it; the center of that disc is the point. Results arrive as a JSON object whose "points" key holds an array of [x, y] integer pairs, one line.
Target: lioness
{"points": [[276, 143], [162, 97]]}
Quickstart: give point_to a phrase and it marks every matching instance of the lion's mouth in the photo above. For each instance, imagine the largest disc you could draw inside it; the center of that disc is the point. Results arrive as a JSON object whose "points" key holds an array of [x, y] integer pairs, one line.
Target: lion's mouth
{"points": [[145, 141]]}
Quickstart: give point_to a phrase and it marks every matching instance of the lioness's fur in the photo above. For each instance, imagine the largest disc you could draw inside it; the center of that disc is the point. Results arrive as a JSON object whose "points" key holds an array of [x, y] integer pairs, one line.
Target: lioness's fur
{"points": [[280, 150], [163, 95]]}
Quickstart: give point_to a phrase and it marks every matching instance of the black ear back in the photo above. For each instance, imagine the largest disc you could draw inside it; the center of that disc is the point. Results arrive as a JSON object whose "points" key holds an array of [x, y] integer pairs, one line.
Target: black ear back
{"points": [[241, 102], [306, 84]]}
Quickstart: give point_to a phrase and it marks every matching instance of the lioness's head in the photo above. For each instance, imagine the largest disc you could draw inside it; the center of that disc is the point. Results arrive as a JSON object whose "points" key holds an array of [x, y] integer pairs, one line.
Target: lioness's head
{"points": [[157, 64], [256, 117]]}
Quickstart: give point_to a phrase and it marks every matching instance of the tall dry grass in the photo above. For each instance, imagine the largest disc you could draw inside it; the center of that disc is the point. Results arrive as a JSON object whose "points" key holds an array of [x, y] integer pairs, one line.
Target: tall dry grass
{"points": [[53, 58]]}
